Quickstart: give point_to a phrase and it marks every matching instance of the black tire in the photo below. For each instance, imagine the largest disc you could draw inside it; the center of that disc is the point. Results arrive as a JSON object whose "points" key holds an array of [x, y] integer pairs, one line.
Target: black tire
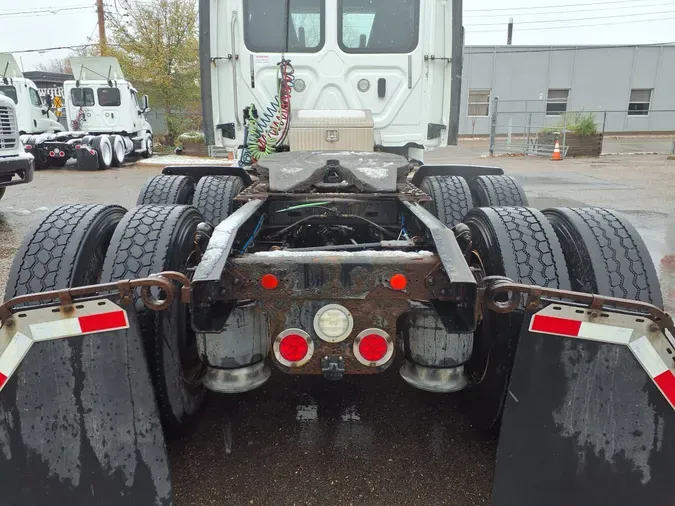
{"points": [[118, 150], [65, 249], [605, 254], [151, 239], [161, 190], [214, 197], [451, 198], [41, 158], [519, 243], [103, 147], [500, 191], [149, 143]]}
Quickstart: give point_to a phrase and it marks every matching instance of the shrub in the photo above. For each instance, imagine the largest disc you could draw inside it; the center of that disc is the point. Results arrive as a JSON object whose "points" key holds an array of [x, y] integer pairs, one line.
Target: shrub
{"points": [[193, 137], [576, 122]]}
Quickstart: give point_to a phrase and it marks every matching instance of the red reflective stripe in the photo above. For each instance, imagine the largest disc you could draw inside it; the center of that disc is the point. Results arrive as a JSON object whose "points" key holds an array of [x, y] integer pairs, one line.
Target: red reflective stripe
{"points": [[554, 325], [666, 382], [3, 378], [97, 322]]}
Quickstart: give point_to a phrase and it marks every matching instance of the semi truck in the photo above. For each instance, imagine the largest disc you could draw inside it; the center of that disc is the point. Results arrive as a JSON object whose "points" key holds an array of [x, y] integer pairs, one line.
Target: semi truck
{"points": [[316, 261], [107, 120], [16, 166]]}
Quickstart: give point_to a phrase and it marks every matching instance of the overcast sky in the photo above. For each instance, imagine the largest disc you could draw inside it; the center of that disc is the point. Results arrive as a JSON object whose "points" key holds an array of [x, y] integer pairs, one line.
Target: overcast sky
{"points": [[536, 22]]}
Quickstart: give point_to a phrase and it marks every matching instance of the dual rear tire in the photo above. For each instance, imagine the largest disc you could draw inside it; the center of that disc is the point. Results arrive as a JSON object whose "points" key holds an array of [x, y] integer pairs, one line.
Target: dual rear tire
{"points": [[453, 196], [213, 196], [589, 250], [79, 245]]}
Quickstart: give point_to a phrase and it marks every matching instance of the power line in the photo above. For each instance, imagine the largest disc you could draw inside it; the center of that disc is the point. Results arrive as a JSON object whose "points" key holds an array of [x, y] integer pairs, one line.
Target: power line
{"points": [[554, 10], [547, 49], [44, 12], [530, 8], [530, 28], [576, 19]]}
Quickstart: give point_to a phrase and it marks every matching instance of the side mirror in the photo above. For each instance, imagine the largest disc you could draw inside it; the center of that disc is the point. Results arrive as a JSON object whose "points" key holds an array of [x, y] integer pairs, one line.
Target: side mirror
{"points": [[45, 110], [145, 103]]}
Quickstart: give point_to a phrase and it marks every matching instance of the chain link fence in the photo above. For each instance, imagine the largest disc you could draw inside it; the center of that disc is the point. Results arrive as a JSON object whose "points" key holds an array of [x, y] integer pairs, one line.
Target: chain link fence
{"points": [[525, 127]]}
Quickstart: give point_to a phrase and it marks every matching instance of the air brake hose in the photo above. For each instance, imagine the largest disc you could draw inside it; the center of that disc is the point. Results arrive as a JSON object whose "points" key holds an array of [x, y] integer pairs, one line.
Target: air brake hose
{"points": [[268, 130]]}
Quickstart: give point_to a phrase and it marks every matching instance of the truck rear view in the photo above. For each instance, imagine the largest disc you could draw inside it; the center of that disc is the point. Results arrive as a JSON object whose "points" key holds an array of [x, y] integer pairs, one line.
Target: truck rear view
{"points": [[391, 58]]}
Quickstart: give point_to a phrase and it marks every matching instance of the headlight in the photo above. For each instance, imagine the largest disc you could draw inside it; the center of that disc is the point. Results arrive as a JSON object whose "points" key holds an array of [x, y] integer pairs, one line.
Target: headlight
{"points": [[333, 323]]}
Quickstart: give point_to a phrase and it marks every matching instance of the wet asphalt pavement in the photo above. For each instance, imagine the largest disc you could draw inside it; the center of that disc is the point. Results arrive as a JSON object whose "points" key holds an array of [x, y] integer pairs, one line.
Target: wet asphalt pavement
{"points": [[364, 440], [306, 441]]}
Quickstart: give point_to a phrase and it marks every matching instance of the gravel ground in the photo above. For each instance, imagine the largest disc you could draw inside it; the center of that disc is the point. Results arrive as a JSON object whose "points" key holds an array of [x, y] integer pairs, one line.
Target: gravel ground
{"points": [[358, 441]]}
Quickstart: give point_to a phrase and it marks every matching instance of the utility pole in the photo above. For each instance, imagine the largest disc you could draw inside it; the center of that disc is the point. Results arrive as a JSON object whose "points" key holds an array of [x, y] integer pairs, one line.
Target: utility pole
{"points": [[101, 27], [509, 36]]}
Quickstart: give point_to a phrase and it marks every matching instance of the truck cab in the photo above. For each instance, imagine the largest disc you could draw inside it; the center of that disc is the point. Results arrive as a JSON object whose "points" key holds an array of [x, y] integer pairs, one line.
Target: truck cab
{"points": [[100, 100], [33, 114], [16, 166], [368, 55]]}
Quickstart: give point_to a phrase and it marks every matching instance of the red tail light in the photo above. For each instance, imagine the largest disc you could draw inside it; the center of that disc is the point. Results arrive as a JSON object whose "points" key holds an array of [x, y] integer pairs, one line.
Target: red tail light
{"points": [[373, 347], [293, 348], [28, 146], [62, 154], [92, 152], [269, 281], [398, 282], [51, 153], [78, 146]]}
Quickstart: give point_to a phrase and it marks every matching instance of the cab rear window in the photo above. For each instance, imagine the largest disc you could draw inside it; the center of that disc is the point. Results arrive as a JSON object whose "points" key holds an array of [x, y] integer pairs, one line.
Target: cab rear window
{"points": [[108, 97], [82, 97], [264, 26], [378, 26], [10, 92]]}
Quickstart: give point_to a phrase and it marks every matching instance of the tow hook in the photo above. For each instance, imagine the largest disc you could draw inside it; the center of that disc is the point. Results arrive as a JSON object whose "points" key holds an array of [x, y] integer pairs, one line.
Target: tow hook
{"points": [[333, 368]]}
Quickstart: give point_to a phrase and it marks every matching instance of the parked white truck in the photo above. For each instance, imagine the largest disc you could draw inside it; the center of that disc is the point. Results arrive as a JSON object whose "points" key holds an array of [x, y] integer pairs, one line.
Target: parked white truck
{"points": [[16, 166], [106, 120]]}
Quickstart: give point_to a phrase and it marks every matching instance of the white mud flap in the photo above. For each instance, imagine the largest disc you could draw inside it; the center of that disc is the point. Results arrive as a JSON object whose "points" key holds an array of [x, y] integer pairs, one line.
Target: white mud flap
{"points": [[590, 413], [78, 420]]}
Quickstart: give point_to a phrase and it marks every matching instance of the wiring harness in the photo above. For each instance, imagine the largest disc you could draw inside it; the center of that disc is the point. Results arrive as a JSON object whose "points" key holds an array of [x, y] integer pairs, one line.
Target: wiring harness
{"points": [[267, 129]]}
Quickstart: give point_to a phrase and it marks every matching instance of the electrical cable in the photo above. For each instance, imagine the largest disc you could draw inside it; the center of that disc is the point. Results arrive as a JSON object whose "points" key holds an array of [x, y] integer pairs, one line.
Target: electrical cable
{"points": [[553, 10], [530, 28], [575, 19], [546, 7]]}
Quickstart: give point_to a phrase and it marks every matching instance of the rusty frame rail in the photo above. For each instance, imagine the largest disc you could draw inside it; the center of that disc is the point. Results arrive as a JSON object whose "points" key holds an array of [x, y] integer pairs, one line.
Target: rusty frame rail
{"points": [[490, 289], [163, 281]]}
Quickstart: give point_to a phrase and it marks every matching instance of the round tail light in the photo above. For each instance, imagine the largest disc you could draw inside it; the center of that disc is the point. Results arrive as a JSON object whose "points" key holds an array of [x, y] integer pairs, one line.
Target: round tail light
{"points": [[62, 154], [92, 152], [373, 347], [293, 348], [51, 153], [333, 323]]}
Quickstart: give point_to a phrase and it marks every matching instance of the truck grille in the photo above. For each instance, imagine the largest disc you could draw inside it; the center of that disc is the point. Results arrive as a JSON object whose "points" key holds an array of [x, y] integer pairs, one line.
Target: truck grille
{"points": [[8, 136]]}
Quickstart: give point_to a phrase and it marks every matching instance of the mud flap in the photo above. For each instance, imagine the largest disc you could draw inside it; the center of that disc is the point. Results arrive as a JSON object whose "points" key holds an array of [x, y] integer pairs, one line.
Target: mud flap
{"points": [[79, 424], [589, 417]]}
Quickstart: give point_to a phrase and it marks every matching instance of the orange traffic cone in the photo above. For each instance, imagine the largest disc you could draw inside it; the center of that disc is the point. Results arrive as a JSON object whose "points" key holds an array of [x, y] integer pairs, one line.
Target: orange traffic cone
{"points": [[556, 151]]}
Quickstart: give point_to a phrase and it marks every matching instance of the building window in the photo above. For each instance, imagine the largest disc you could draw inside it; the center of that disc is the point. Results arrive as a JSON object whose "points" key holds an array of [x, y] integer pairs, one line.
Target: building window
{"points": [[378, 26], [479, 103], [556, 103], [639, 102], [264, 26]]}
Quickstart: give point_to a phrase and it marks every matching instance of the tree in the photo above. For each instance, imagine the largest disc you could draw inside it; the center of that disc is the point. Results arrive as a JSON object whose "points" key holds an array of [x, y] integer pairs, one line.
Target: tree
{"points": [[156, 43], [60, 65]]}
